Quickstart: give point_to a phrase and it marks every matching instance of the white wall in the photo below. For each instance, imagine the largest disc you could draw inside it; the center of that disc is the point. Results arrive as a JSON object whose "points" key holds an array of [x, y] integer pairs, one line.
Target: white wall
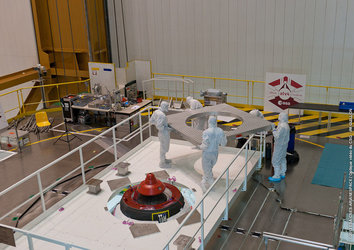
{"points": [[18, 48], [246, 38], [117, 34]]}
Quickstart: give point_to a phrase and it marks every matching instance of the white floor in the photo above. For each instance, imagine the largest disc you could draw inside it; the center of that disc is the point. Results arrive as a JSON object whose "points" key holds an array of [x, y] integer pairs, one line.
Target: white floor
{"points": [[85, 222]]}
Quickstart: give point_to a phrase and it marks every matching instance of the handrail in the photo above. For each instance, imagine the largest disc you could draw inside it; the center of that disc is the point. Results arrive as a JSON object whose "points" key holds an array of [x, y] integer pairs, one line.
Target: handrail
{"points": [[267, 235], [201, 202], [242, 80], [30, 235], [47, 85], [70, 153], [329, 87], [207, 77], [249, 95], [79, 149], [37, 174], [21, 105], [338, 217]]}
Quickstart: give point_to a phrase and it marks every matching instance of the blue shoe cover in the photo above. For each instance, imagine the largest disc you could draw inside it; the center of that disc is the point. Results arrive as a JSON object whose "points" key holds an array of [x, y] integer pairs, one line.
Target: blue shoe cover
{"points": [[274, 179], [282, 177]]}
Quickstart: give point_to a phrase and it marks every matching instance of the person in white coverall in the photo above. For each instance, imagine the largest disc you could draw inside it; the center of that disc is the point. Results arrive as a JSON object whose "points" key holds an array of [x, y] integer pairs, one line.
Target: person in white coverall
{"points": [[257, 113], [212, 138], [198, 123], [159, 119], [281, 140]]}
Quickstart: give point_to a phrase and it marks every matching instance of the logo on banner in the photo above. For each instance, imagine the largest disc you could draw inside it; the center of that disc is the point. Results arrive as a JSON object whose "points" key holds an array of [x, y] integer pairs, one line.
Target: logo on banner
{"points": [[284, 92]]}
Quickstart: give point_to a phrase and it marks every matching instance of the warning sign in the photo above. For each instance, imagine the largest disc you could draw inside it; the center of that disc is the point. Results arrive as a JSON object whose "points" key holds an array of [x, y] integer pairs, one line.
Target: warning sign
{"points": [[283, 90]]}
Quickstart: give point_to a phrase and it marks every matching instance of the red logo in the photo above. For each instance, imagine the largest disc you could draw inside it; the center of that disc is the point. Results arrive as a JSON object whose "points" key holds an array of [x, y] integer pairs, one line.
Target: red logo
{"points": [[285, 89]]}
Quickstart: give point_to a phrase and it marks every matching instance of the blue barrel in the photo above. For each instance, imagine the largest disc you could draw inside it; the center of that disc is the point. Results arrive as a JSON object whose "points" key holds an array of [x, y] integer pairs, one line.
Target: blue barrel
{"points": [[291, 144]]}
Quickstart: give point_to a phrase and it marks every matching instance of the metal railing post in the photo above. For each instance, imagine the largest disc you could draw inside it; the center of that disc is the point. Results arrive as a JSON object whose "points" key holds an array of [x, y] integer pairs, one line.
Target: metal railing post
{"points": [[43, 93], [114, 144], [226, 212], [67, 247], [82, 167], [246, 161], [141, 128], [58, 91], [248, 92], [153, 86], [326, 95], [41, 191], [260, 151], [23, 103], [183, 88], [264, 144], [149, 110], [214, 83], [266, 242], [252, 92], [202, 225], [30, 242], [168, 89], [19, 103]]}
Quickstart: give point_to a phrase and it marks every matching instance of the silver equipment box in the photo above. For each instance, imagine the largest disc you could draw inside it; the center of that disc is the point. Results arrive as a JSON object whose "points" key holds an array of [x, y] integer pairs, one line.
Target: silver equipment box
{"points": [[213, 97]]}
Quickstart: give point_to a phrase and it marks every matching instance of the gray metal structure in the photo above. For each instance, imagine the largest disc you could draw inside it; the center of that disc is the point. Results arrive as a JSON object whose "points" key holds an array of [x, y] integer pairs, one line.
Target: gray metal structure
{"points": [[250, 124]]}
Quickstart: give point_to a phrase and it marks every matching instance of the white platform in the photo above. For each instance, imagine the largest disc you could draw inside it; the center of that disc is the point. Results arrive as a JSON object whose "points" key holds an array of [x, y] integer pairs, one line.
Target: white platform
{"points": [[85, 222]]}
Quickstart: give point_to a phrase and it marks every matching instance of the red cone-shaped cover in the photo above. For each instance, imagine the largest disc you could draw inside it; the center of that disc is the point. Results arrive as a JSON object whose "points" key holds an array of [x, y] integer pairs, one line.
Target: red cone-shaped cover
{"points": [[151, 186]]}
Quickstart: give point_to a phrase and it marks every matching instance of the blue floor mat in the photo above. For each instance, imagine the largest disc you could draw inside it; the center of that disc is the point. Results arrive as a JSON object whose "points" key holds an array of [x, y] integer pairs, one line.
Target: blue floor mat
{"points": [[333, 163]]}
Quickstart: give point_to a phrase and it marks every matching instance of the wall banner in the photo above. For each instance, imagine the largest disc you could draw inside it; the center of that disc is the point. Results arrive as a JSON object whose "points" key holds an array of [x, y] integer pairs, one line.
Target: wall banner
{"points": [[283, 90]]}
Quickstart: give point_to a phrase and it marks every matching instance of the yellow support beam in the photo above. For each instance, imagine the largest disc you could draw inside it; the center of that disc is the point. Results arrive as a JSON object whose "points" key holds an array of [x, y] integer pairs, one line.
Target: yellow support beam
{"points": [[324, 130], [17, 78], [323, 122]]}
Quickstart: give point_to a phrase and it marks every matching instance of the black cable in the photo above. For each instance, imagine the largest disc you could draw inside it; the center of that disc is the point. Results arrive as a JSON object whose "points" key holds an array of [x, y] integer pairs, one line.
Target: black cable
{"points": [[23, 214], [86, 171]]}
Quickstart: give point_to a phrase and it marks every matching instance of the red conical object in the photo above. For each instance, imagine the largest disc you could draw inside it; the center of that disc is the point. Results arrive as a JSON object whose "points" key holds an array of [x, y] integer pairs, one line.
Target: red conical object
{"points": [[151, 186]]}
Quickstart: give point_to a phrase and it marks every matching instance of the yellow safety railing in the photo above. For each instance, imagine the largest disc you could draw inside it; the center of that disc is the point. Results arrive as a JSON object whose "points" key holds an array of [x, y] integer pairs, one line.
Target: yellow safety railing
{"points": [[50, 94], [62, 89], [250, 84], [327, 88]]}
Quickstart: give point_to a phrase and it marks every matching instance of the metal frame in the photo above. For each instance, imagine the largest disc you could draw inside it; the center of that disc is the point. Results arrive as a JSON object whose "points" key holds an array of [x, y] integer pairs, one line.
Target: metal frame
{"points": [[314, 244], [250, 124]]}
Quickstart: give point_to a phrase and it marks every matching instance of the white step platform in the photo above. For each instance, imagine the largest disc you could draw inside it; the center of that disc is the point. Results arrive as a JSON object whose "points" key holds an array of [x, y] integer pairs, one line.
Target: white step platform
{"points": [[86, 223]]}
